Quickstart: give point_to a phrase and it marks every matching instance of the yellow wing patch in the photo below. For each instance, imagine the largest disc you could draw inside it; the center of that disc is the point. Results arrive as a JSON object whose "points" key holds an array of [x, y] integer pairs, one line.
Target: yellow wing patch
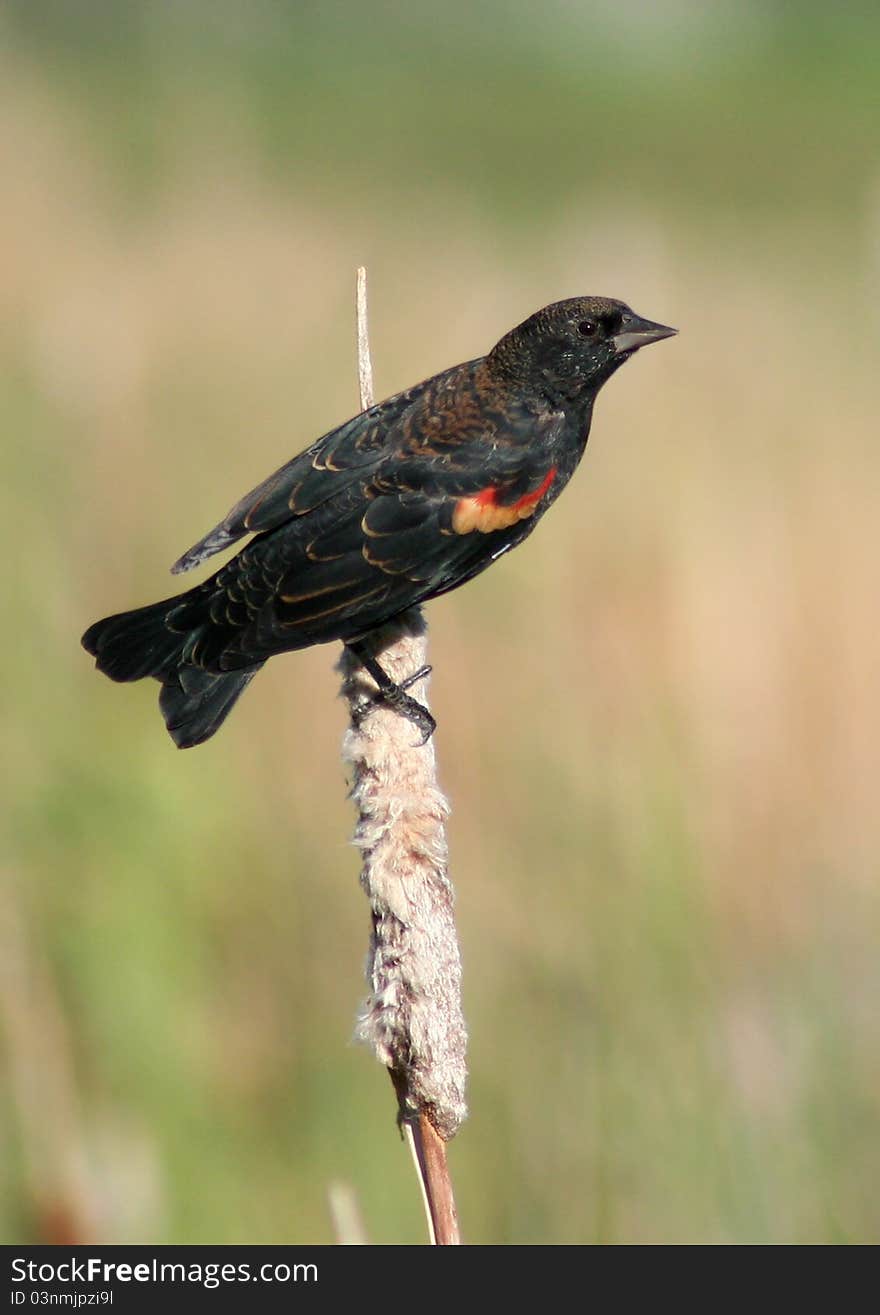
{"points": [[483, 514]]}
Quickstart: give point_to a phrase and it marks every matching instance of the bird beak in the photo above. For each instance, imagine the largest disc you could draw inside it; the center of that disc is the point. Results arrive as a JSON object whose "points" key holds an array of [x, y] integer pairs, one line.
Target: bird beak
{"points": [[639, 333]]}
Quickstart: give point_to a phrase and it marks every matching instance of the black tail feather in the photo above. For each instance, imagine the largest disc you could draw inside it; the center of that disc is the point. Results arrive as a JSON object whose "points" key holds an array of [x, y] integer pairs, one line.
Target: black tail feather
{"points": [[132, 645], [135, 644], [195, 703]]}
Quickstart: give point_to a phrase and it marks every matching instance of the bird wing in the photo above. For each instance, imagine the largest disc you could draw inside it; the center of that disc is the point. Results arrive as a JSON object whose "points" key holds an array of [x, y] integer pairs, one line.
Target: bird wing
{"points": [[307, 480], [443, 501]]}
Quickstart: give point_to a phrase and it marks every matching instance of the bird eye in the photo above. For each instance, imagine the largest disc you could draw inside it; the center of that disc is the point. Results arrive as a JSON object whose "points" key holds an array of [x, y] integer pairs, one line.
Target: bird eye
{"points": [[587, 328]]}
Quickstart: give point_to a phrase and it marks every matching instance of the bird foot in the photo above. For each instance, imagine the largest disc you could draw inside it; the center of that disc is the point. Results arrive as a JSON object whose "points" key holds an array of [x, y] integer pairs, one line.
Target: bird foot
{"points": [[404, 704], [414, 679], [394, 696]]}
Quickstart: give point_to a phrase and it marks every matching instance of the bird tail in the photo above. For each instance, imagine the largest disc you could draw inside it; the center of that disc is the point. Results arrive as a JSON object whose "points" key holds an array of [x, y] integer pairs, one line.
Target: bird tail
{"points": [[196, 703], [132, 645]]}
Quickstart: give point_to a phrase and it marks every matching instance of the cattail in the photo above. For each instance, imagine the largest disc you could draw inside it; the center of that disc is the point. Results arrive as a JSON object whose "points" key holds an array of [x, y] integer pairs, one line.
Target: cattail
{"points": [[412, 1017]]}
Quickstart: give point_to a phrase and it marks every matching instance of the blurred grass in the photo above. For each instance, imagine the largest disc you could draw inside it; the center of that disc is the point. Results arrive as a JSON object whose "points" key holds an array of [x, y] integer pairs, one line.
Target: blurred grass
{"points": [[658, 723]]}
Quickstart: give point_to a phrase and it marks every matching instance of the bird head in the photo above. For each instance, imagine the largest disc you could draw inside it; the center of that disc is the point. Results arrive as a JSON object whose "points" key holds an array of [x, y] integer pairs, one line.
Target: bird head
{"points": [[571, 348]]}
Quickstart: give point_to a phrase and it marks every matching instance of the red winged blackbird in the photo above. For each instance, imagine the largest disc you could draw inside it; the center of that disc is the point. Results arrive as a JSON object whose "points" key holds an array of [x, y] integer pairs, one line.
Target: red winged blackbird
{"points": [[406, 501]]}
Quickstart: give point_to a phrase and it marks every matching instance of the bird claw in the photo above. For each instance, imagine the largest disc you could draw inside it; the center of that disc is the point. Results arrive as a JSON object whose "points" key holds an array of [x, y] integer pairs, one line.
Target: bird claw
{"points": [[418, 714], [415, 678], [401, 703], [394, 696]]}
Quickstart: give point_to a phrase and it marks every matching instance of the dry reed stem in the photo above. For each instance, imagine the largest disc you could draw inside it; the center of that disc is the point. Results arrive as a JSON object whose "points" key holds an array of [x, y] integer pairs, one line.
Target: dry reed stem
{"points": [[348, 1225], [412, 1018]]}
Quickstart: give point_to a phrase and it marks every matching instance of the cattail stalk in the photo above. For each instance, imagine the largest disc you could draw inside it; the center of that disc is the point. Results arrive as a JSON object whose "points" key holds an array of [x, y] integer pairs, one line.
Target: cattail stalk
{"points": [[412, 1018]]}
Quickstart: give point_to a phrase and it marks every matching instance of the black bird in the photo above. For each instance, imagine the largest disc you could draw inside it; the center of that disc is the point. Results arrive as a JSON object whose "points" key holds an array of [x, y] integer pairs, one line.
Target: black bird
{"points": [[406, 501]]}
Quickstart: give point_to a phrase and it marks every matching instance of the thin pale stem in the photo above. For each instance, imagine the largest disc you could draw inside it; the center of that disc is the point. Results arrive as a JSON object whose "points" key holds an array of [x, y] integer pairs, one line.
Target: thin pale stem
{"points": [[365, 364]]}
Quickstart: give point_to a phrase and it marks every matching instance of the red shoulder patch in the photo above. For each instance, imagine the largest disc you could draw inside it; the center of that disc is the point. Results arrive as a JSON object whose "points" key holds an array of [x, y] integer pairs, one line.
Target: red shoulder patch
{"points": [[484, 513]]}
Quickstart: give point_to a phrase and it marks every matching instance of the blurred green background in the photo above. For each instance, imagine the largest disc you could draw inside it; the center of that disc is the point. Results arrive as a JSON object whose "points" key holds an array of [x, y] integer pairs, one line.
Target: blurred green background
{"points": [[658, 723]]}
